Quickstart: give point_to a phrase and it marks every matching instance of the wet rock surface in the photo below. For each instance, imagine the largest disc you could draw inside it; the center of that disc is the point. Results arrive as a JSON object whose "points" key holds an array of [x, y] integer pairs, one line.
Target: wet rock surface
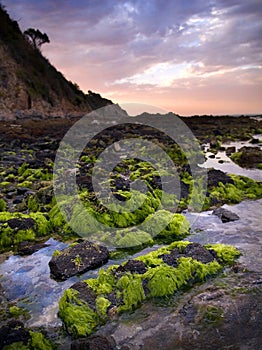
{"points": [[78, 259], [221, 314], [94, 343]]}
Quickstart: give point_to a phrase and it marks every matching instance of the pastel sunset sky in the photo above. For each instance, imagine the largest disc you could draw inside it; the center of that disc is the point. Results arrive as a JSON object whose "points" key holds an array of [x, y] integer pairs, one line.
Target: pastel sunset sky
{"points": [[185, 56]]}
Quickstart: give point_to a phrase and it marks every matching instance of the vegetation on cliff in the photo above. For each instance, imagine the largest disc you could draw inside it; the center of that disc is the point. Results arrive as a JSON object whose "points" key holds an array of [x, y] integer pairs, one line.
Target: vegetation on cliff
{"points": [[30, 85]]}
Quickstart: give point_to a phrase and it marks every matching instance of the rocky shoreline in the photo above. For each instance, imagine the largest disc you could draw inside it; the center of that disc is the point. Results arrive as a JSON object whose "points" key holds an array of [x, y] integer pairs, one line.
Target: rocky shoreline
{"points": [[29, 215]]}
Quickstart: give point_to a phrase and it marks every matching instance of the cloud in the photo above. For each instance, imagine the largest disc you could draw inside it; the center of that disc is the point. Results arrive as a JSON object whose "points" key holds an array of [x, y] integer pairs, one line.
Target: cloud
{"points": [[132, 45]]}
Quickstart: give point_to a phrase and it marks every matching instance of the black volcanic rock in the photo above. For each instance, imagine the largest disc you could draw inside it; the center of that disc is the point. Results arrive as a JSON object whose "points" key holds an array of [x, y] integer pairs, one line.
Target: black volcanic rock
{"points": [[78, 259], [225, 215]]}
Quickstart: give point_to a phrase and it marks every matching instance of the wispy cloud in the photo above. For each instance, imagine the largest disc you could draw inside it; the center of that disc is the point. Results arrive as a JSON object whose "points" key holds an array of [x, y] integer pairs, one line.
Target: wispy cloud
{"points": [[154, 50]]}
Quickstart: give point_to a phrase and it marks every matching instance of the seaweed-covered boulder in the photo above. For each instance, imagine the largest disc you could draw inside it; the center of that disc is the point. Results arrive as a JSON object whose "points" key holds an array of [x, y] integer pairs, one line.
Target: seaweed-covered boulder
{"points": [[77, 259], [120, 288], [225, 215], [248, 157]]}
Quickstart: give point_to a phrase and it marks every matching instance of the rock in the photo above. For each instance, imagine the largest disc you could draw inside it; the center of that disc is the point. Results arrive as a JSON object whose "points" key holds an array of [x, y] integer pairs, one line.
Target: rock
{"points": [[21, 224], [133, 266], [230, 150], [23, 190], [18, 200], [193, 250], [13, 332], [97, 342], [255, 141], [248, 157], [78, 259], [225, 215], [28, 248], [198, 252], [216, 176]]}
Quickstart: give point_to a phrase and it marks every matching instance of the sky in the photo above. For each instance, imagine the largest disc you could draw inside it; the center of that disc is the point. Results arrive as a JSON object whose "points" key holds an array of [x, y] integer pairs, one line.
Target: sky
{"points": [[185, 56]]}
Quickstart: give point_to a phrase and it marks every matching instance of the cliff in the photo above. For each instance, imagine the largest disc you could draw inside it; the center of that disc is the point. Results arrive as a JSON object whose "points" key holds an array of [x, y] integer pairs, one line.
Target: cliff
{"points": [[30, 86]]}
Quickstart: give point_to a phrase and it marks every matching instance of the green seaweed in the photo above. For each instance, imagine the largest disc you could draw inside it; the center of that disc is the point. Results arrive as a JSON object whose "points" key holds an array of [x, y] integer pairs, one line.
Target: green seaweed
{"points": [[79, 318], [11, 236], [175, 225], [102, 305], [2, 205], [39, 342], [17, 345], [132, 292], [226, 253], [24, 235]]}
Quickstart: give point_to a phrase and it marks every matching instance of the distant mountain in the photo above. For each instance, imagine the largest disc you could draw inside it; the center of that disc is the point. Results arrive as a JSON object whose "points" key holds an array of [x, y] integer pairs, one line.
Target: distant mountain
{"points": [[30, 86]]}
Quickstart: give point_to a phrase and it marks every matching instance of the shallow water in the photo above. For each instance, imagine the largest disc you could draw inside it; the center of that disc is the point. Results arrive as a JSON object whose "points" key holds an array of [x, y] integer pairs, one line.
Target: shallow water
{"points": [[245, 234], [26, 280], [228, 166]]}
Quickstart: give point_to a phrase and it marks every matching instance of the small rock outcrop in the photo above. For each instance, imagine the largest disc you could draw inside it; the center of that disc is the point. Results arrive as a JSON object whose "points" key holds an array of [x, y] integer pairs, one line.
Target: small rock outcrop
{"points": [[216, 176], [77, 259], [28, 248], [225, 215]]}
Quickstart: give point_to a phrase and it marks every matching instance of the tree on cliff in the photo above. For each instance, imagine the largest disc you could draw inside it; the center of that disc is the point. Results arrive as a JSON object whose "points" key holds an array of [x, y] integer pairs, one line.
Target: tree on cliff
{"points": [[36, 38]]}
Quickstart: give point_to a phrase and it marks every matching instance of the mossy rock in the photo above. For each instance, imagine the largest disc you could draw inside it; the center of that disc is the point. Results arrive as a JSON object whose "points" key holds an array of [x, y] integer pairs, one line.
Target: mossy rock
{"points": [[18, 227], [124, 287]]}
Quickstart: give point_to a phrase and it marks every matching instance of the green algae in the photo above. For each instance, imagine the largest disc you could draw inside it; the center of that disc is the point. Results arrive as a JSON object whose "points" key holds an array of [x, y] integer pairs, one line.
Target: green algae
{"points": [[104, 283], [175, 225], [11, 236], [226, 254], [102, 305], [16, 346], [2, 205], [37, 341], [209, 315], [24, 235], [79, 318], [242, 188], [131, 289]]}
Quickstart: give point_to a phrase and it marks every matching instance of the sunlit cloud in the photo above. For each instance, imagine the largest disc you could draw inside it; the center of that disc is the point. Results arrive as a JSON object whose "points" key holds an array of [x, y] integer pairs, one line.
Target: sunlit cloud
{"points": [[179, 54]]}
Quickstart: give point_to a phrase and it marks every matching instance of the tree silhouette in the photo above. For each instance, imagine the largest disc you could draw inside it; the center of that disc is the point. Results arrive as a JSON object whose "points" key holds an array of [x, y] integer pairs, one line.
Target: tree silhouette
{"points": [[36, 38]]}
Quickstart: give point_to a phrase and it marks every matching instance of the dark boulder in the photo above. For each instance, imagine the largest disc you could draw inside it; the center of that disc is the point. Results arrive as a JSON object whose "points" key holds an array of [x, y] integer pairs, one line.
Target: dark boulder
{"points": [[133, 266], [225, 215], [192, 250], [13, 332], [78, 259], [216, 176], [28, 248], [21, 223], [230, 150], [85, 293], [198, 252]]}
